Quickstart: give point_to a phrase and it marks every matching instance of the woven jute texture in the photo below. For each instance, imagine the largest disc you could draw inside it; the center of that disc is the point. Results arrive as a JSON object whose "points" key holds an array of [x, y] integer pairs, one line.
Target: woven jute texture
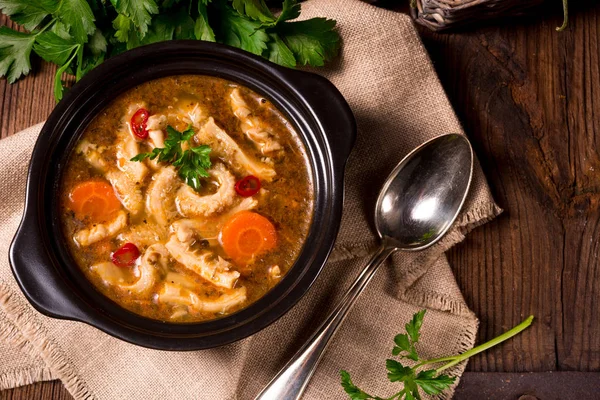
{"points": [[385, 75]]}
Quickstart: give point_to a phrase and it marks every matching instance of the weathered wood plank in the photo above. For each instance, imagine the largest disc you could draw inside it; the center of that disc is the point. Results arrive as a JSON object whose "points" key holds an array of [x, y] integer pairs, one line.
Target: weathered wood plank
{"points": [[528, 386], [53, 390], [28, 101], [528, 97]]}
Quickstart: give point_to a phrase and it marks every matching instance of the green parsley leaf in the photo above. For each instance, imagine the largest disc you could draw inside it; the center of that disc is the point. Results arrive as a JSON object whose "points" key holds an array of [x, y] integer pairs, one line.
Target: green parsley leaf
{"points": [[432, 384], [402, 342], [29, 13], [91, 61], [428, 380], [61, 30], [162, 29], [412, 353], [237, 31], [279, 53], [166, 4], [139, 12], [187, 134], [192, 164], [397, 372], [98, 7], [106, 28], [411, 387], [78, 16], [313, 41], [15, 49], [97, 44], [174, 25], [414, 326], [152, 155], [54, 48], [290, 10], [183, 24], [255, 9], [202, 29], [354, 392], [123, 28], [58, 83]]}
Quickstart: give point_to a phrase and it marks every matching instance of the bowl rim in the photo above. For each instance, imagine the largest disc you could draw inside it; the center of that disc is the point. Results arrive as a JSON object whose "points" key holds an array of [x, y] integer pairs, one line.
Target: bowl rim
{"points": [[46, 271]]}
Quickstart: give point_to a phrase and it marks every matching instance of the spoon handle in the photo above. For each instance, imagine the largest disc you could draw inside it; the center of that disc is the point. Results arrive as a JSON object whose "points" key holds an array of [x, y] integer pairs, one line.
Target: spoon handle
{"points": [[290, 382]]}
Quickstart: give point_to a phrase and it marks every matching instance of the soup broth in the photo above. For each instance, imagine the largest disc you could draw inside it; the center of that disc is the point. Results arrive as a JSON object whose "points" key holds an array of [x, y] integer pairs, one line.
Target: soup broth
{"points": [[187, 198]]}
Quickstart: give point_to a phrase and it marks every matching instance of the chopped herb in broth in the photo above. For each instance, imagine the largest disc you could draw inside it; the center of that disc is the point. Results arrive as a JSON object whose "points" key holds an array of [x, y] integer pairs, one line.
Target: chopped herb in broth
{"points": [[187, 198]]}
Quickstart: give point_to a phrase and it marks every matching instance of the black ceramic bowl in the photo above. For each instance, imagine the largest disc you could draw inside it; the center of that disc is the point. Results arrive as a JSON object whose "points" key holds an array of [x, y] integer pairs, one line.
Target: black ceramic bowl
{"points": [[39, 257]]}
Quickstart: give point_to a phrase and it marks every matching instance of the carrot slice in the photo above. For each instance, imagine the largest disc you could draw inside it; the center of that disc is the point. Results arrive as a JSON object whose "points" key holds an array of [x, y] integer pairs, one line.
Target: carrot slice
{"points": [[247, 235], [94, 199]]}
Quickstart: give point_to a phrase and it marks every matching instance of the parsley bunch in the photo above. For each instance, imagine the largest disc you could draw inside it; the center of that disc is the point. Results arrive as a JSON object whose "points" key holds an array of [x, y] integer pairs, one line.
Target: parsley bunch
{"points": [[78, 35], [192, 164], [413, 379]]}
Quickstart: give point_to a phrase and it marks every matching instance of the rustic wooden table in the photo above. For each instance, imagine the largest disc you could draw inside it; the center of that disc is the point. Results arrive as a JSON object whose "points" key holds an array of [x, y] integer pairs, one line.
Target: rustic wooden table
{"points": [[529, 99]]}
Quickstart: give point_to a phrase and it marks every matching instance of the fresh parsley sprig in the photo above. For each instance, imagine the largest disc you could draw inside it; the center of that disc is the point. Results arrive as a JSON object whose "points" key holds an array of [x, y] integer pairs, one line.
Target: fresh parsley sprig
{"points": [[78, 35], [192, 164], [413, 379]]}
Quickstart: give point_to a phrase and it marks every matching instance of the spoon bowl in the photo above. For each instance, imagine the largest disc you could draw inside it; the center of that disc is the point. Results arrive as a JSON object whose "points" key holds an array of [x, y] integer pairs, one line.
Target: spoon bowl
{"points": [[423, 195], [418, 203]]}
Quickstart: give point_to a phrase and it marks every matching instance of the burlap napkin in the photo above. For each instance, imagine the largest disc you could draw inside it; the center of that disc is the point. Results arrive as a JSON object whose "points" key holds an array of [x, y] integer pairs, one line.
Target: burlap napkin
{"points": [[390, 84]]}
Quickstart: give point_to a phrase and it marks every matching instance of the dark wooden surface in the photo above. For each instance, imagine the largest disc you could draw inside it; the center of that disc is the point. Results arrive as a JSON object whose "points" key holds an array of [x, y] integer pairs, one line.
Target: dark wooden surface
{"points": [[529, 99]]}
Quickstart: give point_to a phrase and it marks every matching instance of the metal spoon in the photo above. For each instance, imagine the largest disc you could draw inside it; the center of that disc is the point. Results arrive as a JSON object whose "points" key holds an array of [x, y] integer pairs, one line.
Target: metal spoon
{"points": [[418, 203]]}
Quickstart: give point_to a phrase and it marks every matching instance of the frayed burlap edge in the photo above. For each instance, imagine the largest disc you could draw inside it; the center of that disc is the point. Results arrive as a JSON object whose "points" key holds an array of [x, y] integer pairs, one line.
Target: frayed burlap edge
{"points": [[466, 343], [36, 342], [463, 226], [409, 275], [26, 376]]}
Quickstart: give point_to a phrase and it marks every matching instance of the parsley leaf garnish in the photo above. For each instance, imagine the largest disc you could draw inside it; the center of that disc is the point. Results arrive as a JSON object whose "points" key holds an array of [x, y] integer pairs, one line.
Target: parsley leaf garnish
{"points": [[237, 31], [429, 381], [54, 48], [255, 9], [137, 12], [290, 9], [78, 15], [202, 29], [78, 35], [15, 48], [414, 326], [350, 388], [313, 41], [279, 53], [192, 164], [29, 13]]}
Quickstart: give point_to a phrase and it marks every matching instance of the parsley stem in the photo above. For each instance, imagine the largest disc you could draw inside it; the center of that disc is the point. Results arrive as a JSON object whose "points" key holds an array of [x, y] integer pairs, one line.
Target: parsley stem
{"points": [[482, 347], [566, 16], [53, 20], [434, 361], [395, 396]]}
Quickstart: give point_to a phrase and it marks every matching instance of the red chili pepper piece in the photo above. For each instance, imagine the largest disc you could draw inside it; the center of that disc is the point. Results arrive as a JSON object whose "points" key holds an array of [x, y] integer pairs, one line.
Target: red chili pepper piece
{"points": [[247, 186], [126, 255], [138, 123]]}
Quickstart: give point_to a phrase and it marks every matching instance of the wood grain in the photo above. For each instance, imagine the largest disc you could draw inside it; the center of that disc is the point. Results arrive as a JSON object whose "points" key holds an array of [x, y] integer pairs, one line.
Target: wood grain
{"points": [[529, 99]]}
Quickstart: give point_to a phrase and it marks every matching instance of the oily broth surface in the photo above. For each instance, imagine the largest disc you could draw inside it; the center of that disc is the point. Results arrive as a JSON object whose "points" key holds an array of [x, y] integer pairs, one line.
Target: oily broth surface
{"points": [[288, 203]]}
